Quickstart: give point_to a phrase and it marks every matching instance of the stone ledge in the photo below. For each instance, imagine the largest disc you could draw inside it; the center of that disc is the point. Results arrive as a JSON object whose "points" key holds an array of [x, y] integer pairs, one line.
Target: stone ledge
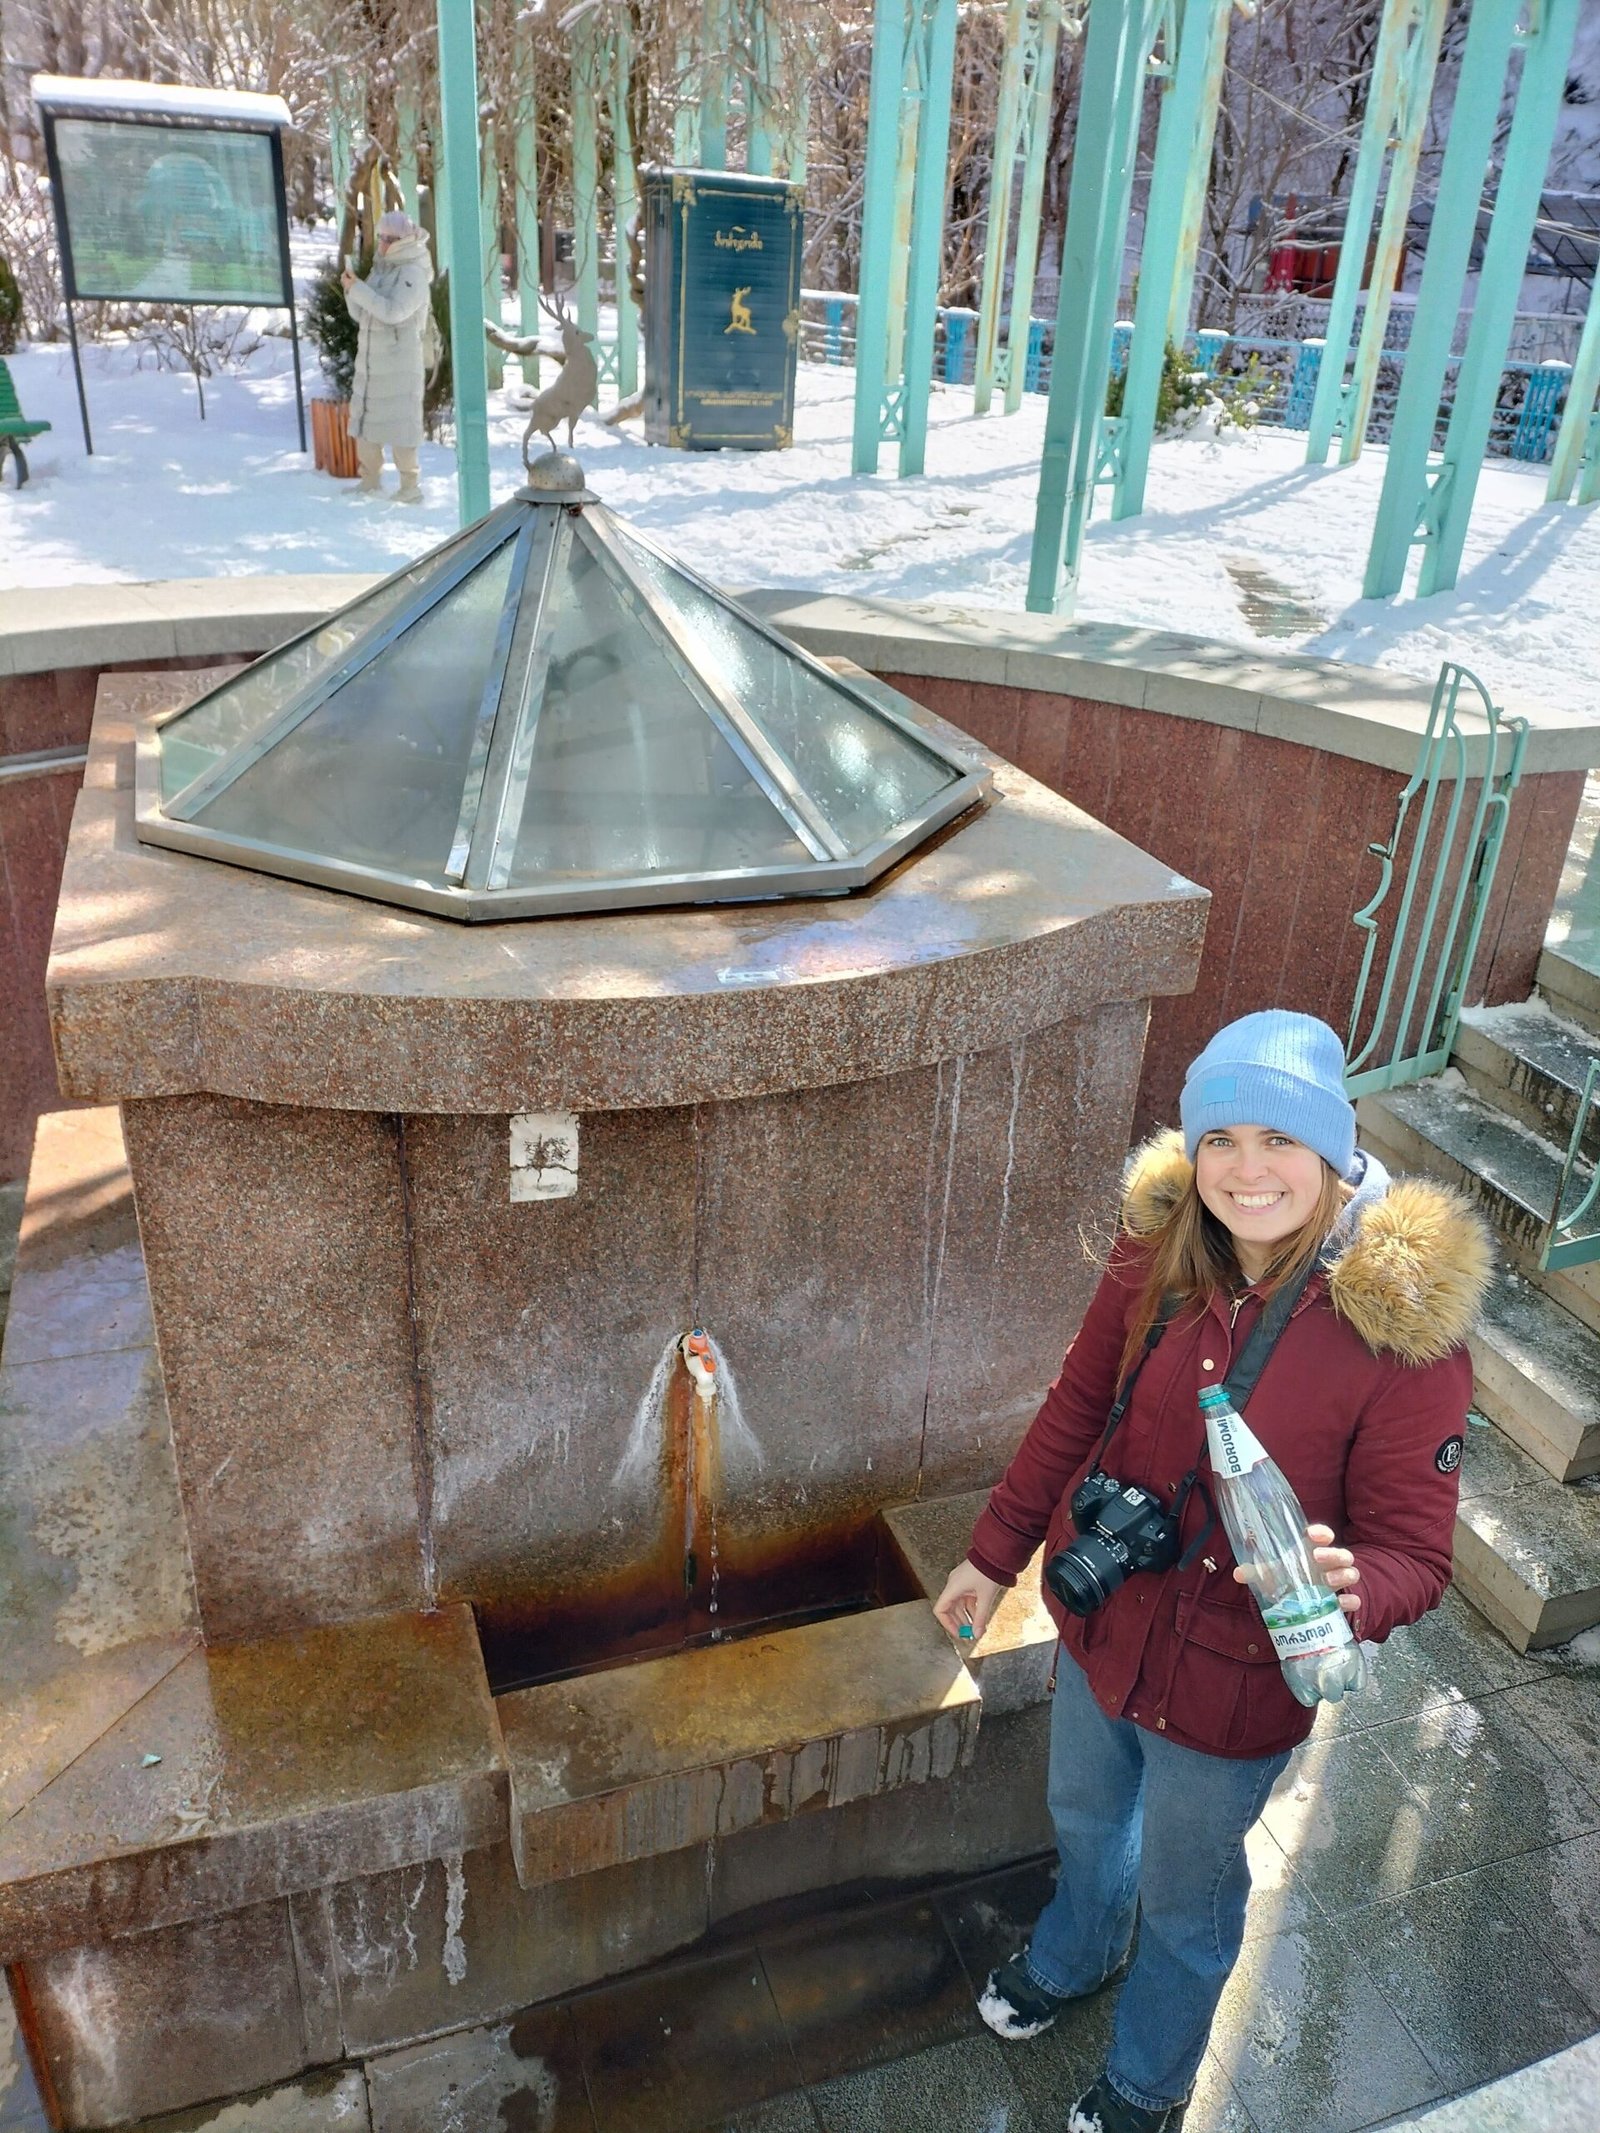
{"points": [[110, 625], [1011, 1662], [1369, 714], [667, 1753], [255, 1771]]}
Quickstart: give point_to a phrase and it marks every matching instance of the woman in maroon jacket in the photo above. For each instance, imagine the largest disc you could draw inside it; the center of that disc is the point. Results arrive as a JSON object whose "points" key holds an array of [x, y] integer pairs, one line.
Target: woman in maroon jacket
{"points": [[1172, 1718]]}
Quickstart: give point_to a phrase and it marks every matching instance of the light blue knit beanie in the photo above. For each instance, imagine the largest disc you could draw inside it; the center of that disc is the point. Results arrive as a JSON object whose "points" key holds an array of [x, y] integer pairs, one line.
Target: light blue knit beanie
{"points": [[1273, 1069]]}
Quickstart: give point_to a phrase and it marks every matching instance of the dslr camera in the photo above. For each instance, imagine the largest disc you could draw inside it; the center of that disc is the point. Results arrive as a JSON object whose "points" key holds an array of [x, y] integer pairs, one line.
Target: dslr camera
{"points": [[1121, 1529]]}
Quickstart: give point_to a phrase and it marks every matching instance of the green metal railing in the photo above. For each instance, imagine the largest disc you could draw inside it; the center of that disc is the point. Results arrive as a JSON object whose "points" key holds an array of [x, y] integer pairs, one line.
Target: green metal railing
{"points": [[1436, 927], [1564, 1243]]}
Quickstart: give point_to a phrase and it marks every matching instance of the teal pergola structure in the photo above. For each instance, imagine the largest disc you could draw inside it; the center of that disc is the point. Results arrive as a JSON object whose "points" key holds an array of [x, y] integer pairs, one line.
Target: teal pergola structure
{"points": [[1428, 503], [902, 227], [1393, 129], [1191, 55], [1120, 40], [1022, 130], [462, 228]]}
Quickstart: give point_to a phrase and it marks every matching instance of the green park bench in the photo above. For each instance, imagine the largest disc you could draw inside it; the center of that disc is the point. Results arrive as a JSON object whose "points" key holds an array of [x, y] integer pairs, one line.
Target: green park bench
{"points": [[15, 428]]}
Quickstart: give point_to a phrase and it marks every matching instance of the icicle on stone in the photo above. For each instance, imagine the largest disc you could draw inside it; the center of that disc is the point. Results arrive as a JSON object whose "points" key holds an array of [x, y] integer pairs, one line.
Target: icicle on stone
{"points": [[1266, 1528]]}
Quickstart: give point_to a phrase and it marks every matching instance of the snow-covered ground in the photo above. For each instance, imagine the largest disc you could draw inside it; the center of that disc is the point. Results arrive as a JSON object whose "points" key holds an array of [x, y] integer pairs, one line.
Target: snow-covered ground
{"points": [[166, 495]]}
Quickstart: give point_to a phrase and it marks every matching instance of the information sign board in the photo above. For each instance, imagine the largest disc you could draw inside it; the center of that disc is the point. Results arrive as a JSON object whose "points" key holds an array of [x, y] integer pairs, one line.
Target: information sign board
{"points": [[150, 211], [722, 309]]}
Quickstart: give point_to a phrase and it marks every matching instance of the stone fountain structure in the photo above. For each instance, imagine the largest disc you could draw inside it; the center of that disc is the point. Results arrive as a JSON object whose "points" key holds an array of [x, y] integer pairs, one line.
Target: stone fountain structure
{"points": [[402, 1619]]}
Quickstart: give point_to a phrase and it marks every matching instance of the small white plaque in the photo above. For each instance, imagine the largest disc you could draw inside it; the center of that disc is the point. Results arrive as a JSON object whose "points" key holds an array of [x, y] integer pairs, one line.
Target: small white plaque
{"points": [[544, 1155]]}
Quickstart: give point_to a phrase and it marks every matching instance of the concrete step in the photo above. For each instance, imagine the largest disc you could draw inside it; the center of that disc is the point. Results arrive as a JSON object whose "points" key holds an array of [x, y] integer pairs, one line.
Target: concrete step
{"points": [[1527, 1548], [1572, 989], [1442, 1129], [1537, 1375], [1530, 1063]]}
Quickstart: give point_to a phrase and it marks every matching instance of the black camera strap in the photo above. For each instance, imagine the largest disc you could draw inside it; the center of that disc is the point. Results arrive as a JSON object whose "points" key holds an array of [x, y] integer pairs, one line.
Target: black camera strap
{"points": [[1240, 1382]]}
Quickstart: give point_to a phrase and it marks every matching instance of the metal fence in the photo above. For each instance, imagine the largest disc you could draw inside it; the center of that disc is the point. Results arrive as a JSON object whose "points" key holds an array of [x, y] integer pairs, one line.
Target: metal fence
{"points": [[1533, 385]]}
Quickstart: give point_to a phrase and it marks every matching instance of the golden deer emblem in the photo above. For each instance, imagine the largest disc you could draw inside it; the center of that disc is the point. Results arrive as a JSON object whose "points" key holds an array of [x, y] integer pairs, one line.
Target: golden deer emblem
{"points": [[741, 321]]}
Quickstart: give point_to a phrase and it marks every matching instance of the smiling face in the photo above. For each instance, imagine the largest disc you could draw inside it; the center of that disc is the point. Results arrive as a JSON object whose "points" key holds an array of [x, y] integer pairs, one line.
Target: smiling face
{"points": [[1261, 1186]]}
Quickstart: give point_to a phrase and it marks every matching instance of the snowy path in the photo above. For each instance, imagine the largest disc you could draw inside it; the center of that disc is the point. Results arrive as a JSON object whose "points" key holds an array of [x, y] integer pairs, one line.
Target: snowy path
{"points": [[168, 496]]}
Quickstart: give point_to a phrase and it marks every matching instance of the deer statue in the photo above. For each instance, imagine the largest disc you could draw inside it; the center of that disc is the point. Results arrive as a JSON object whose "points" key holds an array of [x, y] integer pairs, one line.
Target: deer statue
{"points": [[577, 387]]}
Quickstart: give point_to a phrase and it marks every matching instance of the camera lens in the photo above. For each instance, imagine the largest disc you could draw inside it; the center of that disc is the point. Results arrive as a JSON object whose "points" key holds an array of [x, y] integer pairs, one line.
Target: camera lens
{"points": [[1085, 1575]]}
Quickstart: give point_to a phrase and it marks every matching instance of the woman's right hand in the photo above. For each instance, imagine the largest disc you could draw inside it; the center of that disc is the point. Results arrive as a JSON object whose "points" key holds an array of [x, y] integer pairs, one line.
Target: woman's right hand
{"points": [[968, 1600]]}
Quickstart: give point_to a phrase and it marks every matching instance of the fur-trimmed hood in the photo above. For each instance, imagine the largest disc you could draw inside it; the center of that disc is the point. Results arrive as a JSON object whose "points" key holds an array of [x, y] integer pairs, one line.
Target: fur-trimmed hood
{"points": [[1410, 1260]]}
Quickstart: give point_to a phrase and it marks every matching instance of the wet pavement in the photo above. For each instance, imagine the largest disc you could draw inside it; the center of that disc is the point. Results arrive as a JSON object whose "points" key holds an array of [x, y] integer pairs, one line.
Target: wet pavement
{"points": [[1426, 1919]]}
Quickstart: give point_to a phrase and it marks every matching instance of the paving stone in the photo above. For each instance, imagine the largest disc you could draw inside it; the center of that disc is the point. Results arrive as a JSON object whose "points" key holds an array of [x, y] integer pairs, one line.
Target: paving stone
{"points": [[1487, 1788], [1347, 1821], [964, 2087], [523, 2072], [1470, 1984], [873, 1986], [675, 2049], [1555, 1894], [1309, 2042], [1564, 1712], [991, 1919], [1556, 2096]]}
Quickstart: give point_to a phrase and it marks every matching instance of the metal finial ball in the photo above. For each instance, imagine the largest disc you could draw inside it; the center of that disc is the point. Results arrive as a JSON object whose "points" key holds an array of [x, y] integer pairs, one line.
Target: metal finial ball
{"points": [[555, 473]]}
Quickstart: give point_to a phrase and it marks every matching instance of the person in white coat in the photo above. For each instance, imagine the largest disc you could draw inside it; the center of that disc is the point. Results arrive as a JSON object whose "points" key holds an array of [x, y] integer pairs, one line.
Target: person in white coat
{"points": [[391, 309]]}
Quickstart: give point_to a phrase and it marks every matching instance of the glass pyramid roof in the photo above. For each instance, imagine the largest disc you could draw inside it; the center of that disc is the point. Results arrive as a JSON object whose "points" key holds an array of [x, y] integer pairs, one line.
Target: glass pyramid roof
{"points": [[546, 714]]}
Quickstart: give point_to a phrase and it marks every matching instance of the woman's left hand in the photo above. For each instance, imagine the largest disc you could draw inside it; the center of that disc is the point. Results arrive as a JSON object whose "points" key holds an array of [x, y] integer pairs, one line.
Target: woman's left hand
{"points": [[1338, 1567]]}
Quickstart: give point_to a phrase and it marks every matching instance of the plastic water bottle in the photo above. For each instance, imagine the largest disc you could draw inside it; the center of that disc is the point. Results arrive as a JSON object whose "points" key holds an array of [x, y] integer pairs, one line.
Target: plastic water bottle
{"points": [[1266, 1528]]}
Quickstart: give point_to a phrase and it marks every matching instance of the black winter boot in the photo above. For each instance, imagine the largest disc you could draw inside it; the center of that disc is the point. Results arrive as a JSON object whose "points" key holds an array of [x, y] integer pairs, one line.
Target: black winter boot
{"points": [[1014, 2006], [1102, 2110]]}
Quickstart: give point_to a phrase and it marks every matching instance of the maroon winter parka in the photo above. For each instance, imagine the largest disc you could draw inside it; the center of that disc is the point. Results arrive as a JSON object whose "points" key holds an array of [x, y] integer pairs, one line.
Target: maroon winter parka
{"points": [[1363, 1405]]}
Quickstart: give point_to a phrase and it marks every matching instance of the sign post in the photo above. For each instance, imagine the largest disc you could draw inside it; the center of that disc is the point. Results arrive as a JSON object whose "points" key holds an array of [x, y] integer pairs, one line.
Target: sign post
{"points": [[167, 195]]}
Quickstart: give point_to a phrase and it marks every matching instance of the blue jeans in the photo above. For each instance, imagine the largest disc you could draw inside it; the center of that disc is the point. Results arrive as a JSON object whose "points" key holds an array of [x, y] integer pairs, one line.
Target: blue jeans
{"points": [[1148, 1828]]}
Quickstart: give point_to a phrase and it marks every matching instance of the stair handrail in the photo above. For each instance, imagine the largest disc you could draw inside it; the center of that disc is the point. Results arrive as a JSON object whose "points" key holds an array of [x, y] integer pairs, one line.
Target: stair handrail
{"points": [[1443, 747], [1561, 1246]]}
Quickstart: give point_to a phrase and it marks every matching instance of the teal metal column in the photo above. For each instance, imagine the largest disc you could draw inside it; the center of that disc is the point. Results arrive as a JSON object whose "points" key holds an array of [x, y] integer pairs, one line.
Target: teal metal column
{"points": [[1197, 178], [1547, 49], [1416, 99], [1407, 496], [938, 29], [716, 36], [1183, 141], [625, 202], [407, 129], [458, 152], [526, 175], [1398, 104], [1002, 181], [872, 408], [1037, 110], [489, 253], [686, 113], [1576, 421], [1377, 136], [1120, 32], [902, 234], [588, 71], [761, 92], [1432, 504]]}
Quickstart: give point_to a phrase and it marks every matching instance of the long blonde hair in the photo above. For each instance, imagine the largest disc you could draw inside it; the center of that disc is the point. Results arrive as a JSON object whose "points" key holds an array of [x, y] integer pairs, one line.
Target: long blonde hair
{"points": [[1193, 1258]]}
